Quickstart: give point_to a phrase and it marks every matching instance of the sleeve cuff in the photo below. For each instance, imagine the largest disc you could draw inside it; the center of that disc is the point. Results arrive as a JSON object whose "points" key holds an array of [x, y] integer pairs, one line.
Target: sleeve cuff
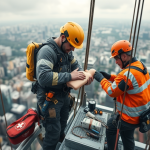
{"points": [[69, 76]]}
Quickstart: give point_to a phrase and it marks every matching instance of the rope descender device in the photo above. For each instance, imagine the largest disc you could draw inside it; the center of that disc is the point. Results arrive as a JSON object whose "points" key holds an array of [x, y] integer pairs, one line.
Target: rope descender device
{"points": [[49, 97]]}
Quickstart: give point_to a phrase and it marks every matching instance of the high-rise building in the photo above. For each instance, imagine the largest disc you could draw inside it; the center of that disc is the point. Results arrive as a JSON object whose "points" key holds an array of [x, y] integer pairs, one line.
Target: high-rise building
{"points": [[148, 57], [6, 49], [2, 72], [3, 57], [10, 119], [6, 96]]}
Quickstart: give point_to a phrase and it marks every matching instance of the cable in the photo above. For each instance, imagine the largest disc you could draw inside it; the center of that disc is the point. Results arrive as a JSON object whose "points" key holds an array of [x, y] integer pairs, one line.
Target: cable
{"points": [[76, 134], [76, 103], [132, 21], [88, 42], [135, 26], [139, 28]]}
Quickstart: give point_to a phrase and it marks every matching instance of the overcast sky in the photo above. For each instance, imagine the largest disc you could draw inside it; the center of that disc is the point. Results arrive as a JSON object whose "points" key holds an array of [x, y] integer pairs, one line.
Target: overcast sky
{"points": [[17, 10]]}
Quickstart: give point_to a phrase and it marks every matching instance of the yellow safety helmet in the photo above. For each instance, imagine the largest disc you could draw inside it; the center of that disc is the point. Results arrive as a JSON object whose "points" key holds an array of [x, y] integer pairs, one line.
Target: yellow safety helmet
{"points": [[120, 47], [74, 34]]}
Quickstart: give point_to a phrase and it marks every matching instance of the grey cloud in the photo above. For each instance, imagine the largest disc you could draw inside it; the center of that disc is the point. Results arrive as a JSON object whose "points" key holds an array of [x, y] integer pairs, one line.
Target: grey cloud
{"points": [[113, 4], [30, 9], [15, 6]]}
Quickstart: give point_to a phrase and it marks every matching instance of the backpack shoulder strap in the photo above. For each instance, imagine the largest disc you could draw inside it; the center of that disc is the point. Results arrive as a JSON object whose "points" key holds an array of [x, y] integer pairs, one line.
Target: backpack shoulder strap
{"points": [[52, 46], [57, 53], [144, 71]]}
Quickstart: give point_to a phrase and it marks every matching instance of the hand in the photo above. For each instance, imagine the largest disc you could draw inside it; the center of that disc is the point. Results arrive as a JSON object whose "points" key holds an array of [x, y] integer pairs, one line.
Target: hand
{"points": [[77, 75], [98, 76], [90, 79], [106, 75]]}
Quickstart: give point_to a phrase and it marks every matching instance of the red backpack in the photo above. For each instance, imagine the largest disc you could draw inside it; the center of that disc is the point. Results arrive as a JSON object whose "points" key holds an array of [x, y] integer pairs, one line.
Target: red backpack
{"points": [[23, 127]]}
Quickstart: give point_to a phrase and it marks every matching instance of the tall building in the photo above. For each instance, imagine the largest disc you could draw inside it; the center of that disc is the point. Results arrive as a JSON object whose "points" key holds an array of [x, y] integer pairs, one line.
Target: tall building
{"points": [[89, 89], [6, 49], [148, 57], [6, 95], [10, 119], [3, 57], [2, 72]]}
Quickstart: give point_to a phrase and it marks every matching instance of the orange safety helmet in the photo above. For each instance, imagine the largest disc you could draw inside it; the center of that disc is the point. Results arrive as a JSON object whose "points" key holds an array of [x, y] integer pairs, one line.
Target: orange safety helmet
{"points": [[74, 34], [120, 47]]}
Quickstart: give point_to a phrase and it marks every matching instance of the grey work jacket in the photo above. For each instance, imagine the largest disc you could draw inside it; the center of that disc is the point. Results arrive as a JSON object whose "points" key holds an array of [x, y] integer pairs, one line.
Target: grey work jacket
{"points": [[51, 74]]}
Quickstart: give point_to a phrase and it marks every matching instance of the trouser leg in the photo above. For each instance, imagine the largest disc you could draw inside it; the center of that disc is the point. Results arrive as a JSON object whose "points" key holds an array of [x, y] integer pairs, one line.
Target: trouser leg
{"points": [[111, 134], [64, 113], [127, 139], [126, 133], [52, 125], [52, 133]]}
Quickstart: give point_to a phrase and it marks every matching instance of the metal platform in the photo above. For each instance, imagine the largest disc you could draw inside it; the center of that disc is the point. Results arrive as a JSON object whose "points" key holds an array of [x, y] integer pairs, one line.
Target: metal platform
{"points": [[73, 142]]}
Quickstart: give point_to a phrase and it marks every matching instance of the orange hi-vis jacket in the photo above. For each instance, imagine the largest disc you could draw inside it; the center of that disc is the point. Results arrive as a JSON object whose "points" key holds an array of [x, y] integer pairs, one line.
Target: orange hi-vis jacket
{"points": [[137, 98]]}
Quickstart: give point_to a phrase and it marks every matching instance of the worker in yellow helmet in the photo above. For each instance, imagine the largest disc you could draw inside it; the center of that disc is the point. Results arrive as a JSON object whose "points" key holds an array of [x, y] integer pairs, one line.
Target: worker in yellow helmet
{"points": [[137, 98], [56, 66]]}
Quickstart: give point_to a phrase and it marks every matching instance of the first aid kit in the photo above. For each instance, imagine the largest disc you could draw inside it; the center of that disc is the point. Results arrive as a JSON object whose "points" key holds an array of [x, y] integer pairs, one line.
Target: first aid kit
{"points": [[23, 127]]}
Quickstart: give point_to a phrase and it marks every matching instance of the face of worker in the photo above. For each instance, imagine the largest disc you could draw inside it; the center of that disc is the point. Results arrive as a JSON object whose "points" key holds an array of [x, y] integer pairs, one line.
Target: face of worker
{"points": [[124, 58], [118, 61], [67, 47]]}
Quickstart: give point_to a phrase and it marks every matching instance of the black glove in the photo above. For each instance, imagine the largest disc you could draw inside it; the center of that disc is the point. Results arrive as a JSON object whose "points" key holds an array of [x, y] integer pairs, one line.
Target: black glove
{"points": [[98, 76], [106, 75]]}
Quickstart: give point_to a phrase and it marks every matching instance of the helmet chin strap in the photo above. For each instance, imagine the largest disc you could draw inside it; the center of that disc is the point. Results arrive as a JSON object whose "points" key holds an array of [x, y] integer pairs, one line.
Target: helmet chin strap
{"points": [[63, 43], [123, 62]]}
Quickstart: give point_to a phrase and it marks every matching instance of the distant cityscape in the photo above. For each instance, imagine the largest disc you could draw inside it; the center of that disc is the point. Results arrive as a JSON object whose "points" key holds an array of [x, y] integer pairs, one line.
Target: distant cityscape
{"points": [[16, 89]]}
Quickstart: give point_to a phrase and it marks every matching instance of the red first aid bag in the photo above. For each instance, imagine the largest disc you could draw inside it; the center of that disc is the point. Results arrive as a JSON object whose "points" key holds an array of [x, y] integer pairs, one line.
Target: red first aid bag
{"points": [[23, 127]]}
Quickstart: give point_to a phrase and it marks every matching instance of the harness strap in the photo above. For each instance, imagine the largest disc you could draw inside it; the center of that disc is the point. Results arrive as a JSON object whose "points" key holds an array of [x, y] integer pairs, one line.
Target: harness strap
{"points": [[144, 71]]}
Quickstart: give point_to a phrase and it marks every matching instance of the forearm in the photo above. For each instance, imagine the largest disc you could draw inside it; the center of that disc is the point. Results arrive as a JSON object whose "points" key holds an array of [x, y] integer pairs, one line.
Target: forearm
{"points": [[53, 78]]}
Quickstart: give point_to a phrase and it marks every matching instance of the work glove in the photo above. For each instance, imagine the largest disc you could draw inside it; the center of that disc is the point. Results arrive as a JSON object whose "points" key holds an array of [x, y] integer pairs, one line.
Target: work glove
{"points": [[98, 76], [106, 75]]}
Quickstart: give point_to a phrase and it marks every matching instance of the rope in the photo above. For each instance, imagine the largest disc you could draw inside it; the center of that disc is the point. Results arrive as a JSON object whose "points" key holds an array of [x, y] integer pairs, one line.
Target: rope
{"points": [[4, 113], [76, 103], [135, 25], [76, 134], [88, 42], [132, 21], [119, 121], [139, 28], [82, 95]]}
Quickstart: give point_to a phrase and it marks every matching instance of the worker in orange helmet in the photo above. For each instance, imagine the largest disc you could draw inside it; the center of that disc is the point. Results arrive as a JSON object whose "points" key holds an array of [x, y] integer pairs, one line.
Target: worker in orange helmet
{"points": [[56, 66], [137, 98]]}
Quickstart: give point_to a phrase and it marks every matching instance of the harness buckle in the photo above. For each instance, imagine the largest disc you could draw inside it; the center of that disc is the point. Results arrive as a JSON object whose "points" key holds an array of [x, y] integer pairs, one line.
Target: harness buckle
{"points": [[55, 101]]}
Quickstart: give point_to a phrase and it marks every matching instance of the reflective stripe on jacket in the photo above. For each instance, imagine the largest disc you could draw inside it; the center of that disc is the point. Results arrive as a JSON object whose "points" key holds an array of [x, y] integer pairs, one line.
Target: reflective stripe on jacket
{"points": [[137, 98]]}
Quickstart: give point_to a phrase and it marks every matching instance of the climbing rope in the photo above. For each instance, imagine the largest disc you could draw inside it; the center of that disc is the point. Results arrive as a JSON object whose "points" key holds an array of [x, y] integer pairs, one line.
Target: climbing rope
{"points": [[76, 104], [139, 28], [88, 43], [132, 21]]}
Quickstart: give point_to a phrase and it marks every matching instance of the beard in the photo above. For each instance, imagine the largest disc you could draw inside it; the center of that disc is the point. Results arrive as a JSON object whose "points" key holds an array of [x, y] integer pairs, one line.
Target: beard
{"points": [[65, 50]]}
